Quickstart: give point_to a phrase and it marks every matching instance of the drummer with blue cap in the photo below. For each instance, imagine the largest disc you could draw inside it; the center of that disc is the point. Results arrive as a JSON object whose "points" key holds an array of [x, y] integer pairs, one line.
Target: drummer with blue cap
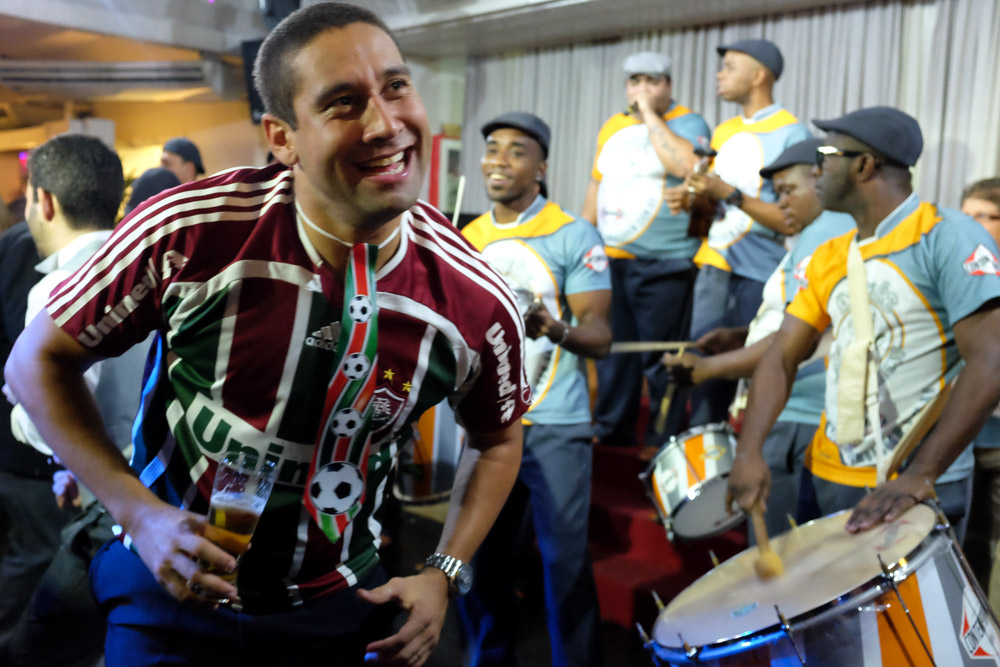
{"points": [[909, 296]]}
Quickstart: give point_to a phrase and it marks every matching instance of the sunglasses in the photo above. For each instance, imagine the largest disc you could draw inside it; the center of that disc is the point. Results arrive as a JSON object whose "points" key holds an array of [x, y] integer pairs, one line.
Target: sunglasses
{"points": [[823, 152]]}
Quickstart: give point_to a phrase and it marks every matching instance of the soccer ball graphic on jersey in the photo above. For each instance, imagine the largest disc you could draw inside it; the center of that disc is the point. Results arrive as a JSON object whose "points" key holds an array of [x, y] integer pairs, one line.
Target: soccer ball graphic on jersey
{"points": [[360, 308], [356, 366], [336, 487], [346, 423]]}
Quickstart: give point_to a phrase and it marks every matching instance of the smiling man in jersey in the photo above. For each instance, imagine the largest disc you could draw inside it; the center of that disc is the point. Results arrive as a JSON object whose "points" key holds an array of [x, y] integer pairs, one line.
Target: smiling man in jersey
{"points": [[928, 269], [557, 262], [273, 341], [640, 153]]}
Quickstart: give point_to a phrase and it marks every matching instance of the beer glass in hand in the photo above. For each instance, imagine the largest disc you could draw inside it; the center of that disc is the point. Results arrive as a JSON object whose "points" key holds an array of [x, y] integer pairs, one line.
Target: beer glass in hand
{"points": [[239, 494]]}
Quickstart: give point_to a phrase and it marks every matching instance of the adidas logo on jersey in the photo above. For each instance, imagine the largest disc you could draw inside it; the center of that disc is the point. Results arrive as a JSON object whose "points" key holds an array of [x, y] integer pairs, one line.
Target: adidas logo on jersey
{"points": [[325, 338]]}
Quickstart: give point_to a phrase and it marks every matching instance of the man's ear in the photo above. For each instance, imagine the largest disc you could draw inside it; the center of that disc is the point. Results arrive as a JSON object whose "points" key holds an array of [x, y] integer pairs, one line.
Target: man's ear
{"points": [[48, 204], [542, 168], [281, 139]]}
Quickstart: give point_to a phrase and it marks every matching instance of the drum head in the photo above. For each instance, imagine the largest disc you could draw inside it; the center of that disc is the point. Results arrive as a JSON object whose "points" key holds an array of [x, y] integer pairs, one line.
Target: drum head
{"points": [[704, 514], [822, 562]]}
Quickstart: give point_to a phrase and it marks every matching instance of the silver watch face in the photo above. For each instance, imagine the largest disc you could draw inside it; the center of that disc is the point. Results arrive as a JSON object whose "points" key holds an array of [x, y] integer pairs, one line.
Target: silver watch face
{"points": [[463, 579]]}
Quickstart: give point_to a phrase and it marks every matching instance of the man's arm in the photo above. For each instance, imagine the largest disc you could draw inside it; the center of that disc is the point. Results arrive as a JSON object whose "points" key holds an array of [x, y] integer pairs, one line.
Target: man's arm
{"points": [[732, 365], [750, 479], [676, 154], [591, 337], [45, 372], [975, 395], [766, 213], [486, 476], [589, 212]]}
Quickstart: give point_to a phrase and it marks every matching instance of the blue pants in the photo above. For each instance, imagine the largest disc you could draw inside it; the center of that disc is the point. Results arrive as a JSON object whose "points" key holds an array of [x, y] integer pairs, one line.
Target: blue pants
{"points": [[651, 301], [554, 481], [826, 497], [721, 299], [785, 452], [146, 626]]}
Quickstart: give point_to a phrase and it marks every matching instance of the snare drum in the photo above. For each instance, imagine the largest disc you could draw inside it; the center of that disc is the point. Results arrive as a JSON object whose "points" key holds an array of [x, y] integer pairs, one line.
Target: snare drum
{"points": [[687, 482], [843, 600], [429, 461]]}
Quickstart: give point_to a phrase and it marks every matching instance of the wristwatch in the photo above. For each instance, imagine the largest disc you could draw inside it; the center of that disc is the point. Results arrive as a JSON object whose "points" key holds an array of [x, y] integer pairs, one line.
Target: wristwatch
{"points": [[459, 574], [735, 198]]}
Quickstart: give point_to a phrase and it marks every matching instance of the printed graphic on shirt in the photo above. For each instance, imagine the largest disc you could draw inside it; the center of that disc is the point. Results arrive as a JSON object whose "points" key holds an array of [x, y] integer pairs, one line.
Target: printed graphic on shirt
{"points": [[982, 262], [596, 259]]}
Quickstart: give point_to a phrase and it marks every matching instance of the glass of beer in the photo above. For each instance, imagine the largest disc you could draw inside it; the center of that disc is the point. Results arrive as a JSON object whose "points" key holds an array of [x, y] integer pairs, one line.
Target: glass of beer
{"points": [[239, 494]]}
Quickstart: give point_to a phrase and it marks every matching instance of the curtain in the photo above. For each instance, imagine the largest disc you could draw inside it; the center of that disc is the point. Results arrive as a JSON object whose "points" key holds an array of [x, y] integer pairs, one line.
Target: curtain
{"points": [[935, 60]]}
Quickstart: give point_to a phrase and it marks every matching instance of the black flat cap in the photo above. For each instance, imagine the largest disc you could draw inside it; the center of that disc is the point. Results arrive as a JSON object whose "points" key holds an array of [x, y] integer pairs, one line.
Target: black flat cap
{"points": [[528, 123], [889, 131], [765, 52], [187, 150], [803, 152]]}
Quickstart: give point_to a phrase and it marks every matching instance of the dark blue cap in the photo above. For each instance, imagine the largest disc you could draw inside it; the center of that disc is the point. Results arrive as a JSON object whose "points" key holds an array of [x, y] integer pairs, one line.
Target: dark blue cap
{"points": [[152, 182], [889, 131], [765, 52], [187, 150], [803, 152], [528, 123]]}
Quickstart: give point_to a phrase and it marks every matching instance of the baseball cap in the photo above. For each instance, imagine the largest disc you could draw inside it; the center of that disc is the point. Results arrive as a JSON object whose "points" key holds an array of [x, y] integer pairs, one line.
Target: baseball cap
{"points": [[528, 123], [187, 150], [648, 63], [803, 152], [763, 51], [891, 132]]}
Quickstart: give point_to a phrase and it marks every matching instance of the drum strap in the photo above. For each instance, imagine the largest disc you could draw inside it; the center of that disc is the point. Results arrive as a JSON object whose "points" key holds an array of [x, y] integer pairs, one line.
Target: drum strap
{"points": [[857, 389]]}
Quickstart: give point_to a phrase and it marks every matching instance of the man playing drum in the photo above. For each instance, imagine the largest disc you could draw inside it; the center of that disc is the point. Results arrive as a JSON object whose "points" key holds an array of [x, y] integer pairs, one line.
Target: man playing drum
{"points": [[788, 440], [933, 287]]}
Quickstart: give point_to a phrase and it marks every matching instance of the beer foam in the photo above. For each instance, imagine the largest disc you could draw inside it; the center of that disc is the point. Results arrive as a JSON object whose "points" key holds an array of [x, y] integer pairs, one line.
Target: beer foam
{"points": [[239, 501]]}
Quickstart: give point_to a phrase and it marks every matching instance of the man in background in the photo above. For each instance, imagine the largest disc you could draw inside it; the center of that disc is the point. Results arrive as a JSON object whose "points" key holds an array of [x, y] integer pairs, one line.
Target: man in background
{"points": [[746, 244], [183, 158], [556, 262], [639, 153]]}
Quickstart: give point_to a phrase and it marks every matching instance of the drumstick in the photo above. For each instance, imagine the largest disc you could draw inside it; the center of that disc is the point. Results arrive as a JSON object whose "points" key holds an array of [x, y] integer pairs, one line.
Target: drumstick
{"points": [[661, 417], [650, 346], [768, 563], [458, 200]]}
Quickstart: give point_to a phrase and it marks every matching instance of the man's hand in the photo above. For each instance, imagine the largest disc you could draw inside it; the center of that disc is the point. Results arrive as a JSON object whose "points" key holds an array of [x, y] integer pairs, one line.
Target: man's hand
{"points": [[642, 103], [538, 321], [722, 339], [749, 481], [179, 548], [710, 183], [685, 369], [425, 597], [66, 490], [889, 501], [677, 198]]}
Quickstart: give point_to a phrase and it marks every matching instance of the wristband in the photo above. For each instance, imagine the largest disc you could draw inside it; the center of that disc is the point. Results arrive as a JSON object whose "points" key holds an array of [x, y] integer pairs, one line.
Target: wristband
{"points": [[564, 336]]}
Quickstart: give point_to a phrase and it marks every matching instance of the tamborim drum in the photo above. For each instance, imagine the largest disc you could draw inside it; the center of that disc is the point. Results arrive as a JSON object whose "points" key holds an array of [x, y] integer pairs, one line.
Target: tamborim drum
{"points": [[687, 482], [898, 595]]}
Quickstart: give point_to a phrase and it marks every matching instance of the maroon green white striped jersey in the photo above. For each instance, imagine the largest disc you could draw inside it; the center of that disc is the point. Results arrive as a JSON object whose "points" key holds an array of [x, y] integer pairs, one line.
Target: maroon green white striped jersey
{"points": [[248, 317]]}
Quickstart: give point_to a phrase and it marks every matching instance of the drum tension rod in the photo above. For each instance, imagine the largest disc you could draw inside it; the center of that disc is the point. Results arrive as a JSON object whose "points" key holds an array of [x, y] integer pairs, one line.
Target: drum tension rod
{"points": [[657, 600], [690, 652], [895, 589], [647, 644], [787, 629]]}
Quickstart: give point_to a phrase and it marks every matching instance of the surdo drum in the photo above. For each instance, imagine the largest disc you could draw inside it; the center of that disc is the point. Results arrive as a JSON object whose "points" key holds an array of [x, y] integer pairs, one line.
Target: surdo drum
{"points": [[687, 482], [899, 595]]}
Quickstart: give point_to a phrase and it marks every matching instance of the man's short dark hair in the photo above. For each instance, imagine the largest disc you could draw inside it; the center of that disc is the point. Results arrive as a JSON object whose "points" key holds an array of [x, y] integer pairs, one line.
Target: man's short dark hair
{"points": [[83, 174], [272, 72], [987, 189]]}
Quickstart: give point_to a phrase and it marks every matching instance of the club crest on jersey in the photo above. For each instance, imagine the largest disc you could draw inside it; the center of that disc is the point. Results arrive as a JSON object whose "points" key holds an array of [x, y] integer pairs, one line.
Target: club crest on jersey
{"points": [[386, 406], [982, 262], [325, 338], [596, 259], [799, 273]]}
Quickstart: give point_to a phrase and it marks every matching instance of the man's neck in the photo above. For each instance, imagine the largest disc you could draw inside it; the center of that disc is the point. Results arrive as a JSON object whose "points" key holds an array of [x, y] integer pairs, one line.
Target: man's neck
{"points": [[758, 99], [872, 212], [507, 212]]}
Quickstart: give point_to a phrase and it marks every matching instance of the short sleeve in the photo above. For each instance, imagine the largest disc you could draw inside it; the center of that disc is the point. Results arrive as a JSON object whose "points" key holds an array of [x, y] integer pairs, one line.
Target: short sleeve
{"points": [[809, 304], [500, 393], [965, 262], [691, 127], [586, 263]]}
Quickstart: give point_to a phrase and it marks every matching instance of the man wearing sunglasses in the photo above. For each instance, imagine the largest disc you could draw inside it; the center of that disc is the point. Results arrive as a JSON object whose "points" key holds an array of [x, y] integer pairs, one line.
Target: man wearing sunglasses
{"points": [[933, 291]]}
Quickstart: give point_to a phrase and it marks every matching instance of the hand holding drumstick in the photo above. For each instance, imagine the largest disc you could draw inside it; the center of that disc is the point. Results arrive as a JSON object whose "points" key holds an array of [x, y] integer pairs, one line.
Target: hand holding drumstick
{"points": [[768, 563]]}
